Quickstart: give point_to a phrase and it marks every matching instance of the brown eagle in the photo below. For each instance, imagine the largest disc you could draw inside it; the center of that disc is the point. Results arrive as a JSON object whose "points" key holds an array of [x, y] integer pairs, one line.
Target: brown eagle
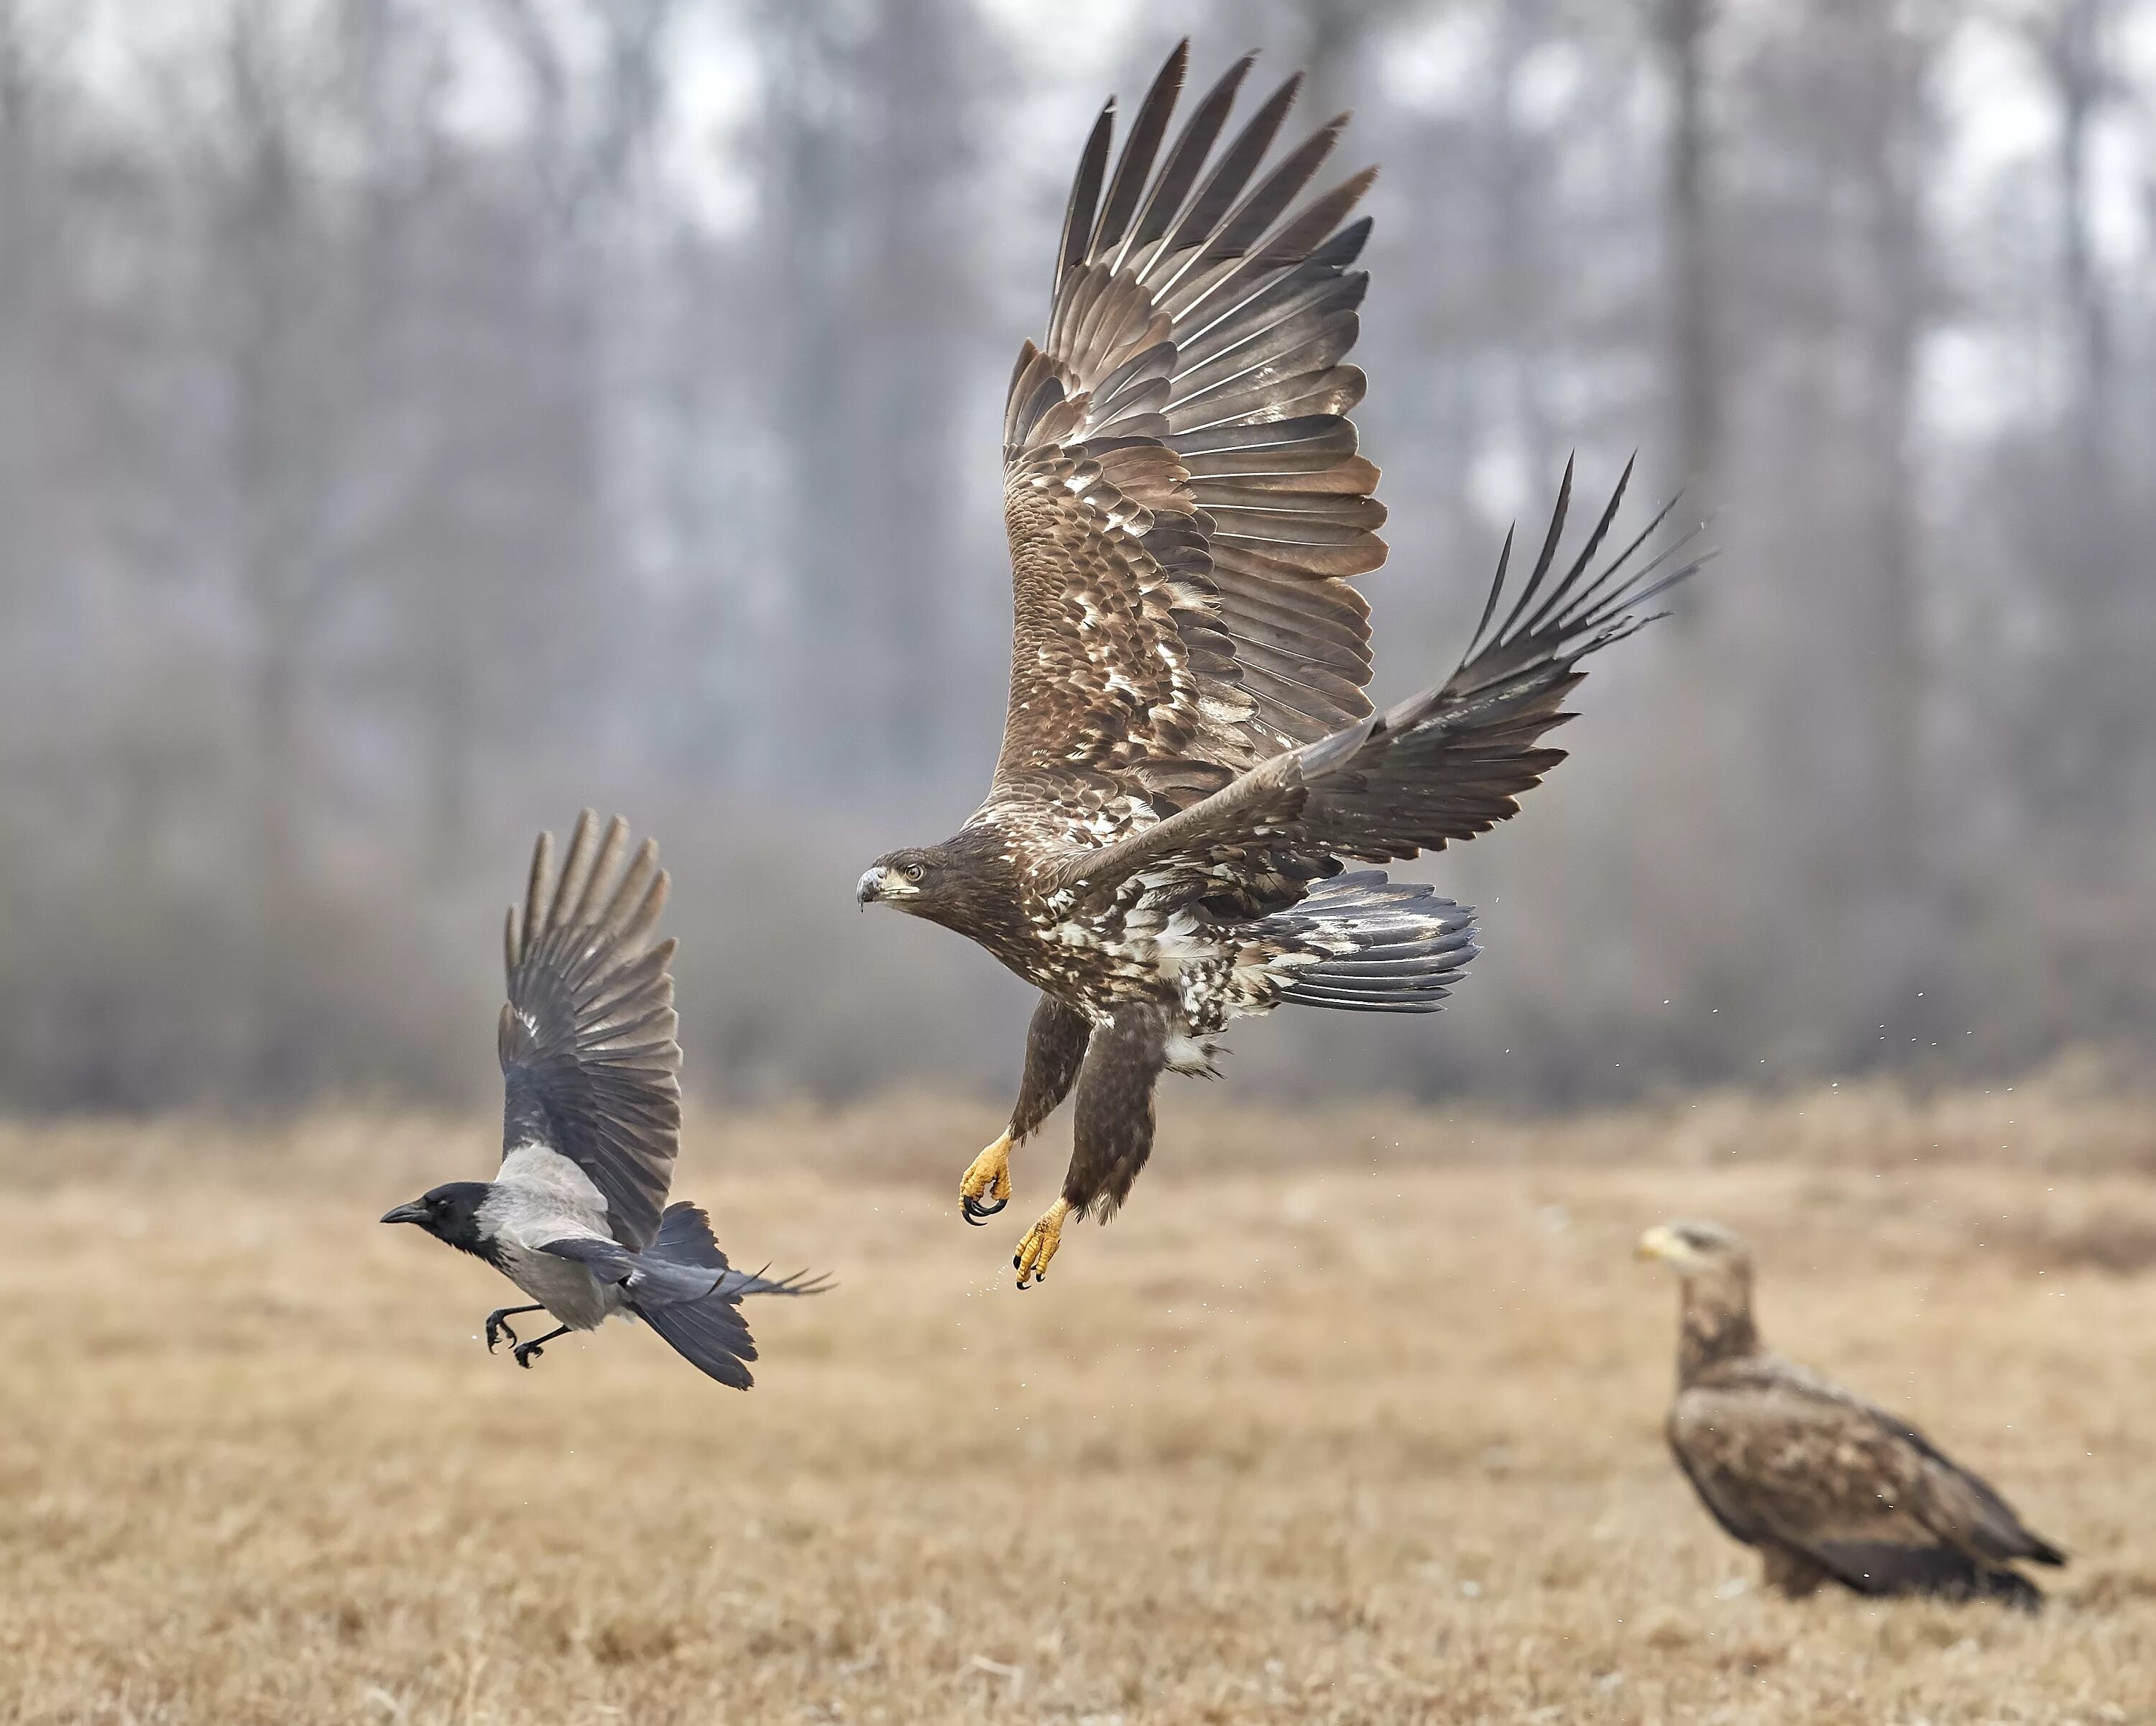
{"points": [[1827, 1487], [1188, 756]]}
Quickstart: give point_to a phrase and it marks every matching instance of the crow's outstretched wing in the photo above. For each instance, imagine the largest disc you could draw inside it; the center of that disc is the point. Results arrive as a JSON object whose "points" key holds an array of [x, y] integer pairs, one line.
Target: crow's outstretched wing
{"points": [[591, 1067], [1182, 490], [1440, 766]]}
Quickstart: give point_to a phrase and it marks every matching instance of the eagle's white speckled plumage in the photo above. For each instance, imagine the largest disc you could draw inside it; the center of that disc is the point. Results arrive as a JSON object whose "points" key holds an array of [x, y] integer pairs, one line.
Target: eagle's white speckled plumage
{"points": [[1190, 760]]}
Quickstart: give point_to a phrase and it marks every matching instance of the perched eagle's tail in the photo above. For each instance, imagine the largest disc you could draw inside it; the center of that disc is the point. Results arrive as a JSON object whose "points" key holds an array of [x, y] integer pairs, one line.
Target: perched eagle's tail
{"points": [[1364, 944]]}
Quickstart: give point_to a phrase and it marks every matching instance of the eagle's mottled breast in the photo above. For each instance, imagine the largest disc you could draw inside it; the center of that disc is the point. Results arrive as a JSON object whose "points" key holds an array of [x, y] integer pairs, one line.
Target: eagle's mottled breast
{"points": [[1096, 954]]}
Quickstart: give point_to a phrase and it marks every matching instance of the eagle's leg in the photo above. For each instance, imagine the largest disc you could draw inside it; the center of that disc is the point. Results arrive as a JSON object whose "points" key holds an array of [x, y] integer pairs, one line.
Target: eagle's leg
{"points": [[497, 1324], [1792, 1573], [1054, 1047], [1113, 1134]]}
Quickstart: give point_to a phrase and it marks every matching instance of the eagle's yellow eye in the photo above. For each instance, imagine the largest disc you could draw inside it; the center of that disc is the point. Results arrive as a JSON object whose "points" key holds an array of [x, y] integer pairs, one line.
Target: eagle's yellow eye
{"points": [[913, 872]]}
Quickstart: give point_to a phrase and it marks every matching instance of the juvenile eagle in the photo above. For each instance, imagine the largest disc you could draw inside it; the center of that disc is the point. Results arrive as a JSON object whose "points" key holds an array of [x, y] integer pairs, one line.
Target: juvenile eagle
{"points": [[1188, 757], [577, 1215], [1828, 1487]]}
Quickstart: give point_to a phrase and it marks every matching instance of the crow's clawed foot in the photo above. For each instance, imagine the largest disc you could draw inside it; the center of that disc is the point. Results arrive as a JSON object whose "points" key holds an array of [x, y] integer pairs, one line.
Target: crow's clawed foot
{"points": [[1039, 1245], [988, 1178], [497, 1328], [527, 1353]]}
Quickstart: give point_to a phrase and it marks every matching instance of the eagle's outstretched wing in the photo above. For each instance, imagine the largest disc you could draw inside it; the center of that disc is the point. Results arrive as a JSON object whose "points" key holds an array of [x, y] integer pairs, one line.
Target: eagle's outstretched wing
{"points": [[1443, 765], [590, 1065], [1181, 491]]}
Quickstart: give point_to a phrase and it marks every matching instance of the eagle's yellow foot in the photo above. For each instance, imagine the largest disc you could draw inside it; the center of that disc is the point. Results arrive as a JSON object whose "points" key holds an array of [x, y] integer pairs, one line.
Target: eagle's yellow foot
{"points": [[988, 1177], [1039, 1245]]}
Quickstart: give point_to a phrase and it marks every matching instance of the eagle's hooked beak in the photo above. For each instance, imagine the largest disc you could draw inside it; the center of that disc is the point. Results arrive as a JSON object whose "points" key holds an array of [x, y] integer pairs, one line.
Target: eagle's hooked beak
{"points": [[414, 1212], [882, 885], [1659, 1242]]}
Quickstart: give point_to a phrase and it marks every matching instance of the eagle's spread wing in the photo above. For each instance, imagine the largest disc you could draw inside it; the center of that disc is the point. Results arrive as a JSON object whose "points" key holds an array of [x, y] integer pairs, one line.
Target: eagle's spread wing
{"points": [[1181, 491], [1784, 1458], [1440, 766], [591, 1067]]}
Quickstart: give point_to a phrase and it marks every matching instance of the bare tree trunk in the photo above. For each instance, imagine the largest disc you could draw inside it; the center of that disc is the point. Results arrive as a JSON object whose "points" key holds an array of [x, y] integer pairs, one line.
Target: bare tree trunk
{"points": [[1897, 125], [258, 233], [1693, 334], [2073, 52], [18, 251]]}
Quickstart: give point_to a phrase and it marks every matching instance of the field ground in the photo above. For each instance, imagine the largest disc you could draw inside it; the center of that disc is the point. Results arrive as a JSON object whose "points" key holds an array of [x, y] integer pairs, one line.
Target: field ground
{"points": [[1347, 1419]]}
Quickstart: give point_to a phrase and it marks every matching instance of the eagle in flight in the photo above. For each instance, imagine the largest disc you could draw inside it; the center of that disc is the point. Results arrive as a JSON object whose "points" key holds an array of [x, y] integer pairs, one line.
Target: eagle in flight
{"points": [[1188, 758]]}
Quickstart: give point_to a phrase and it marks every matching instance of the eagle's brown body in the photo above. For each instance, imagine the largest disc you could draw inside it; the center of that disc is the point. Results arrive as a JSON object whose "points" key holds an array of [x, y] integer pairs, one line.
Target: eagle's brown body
{"points": [[1189, 757], [1826, 1486]]}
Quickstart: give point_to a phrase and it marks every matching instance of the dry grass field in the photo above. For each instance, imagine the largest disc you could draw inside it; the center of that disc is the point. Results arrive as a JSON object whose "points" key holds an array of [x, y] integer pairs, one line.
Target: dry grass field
{"points": [[1348, 1418]]}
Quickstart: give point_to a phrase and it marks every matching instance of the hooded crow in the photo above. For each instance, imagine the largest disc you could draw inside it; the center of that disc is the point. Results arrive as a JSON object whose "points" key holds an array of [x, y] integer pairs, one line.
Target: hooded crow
{"points": [[577, 1214]]}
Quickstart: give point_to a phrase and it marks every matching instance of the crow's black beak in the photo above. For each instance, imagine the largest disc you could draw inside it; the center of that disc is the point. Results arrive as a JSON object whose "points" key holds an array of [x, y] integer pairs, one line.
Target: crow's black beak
{"points": [[412, 1213]]}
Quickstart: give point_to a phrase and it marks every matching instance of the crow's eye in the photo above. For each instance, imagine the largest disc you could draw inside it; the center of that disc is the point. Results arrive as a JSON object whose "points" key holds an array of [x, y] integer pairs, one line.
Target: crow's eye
{"points": [[914, 871]]}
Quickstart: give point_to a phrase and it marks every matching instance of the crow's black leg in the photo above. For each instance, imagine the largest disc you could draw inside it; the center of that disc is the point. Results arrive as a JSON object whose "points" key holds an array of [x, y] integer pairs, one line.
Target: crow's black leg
{"points": [[524, 1352], [497, 1324]]}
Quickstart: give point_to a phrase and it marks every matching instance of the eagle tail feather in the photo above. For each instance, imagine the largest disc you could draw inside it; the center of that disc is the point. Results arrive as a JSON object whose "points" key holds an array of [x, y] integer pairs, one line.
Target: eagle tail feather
{"points": [[1362, 944]]}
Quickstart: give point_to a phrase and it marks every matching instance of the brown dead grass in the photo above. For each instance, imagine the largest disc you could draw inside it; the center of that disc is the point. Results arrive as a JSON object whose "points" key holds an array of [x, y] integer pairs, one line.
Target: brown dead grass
{"points": [[1370, 1434]]}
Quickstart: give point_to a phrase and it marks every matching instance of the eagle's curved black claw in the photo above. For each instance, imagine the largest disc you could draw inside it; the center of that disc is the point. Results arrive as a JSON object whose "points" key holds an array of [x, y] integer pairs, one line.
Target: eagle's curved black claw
{"points": [[526, 1354], [978, 1213], [497, 1328]]}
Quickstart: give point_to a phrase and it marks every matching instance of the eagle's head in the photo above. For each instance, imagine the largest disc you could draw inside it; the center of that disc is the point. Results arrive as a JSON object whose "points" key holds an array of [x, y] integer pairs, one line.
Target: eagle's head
{"points": [[1692, 1246], [919, 879]]}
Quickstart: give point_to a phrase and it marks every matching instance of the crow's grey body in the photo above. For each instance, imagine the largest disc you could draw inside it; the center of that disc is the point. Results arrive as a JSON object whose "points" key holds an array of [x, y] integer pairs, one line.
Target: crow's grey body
{"points": [[577, 1215], [539, 1197]]}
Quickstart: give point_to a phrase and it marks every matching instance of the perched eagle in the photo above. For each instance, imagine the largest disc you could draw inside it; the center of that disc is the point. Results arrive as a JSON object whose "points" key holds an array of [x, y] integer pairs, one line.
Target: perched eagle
{"points": [[1188, 756], [1827, 1487]]}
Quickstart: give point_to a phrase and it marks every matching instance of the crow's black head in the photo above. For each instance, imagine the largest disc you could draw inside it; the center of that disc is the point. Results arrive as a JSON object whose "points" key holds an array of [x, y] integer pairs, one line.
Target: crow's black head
{"points": [[450, 1214]]}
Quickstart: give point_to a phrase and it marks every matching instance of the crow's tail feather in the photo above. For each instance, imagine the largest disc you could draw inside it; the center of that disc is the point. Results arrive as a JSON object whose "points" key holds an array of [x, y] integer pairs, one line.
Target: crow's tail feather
{"points": [[711, 1334]]}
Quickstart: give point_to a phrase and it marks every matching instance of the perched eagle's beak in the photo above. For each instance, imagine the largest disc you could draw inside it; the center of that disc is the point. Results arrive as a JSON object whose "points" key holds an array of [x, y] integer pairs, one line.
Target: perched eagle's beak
{"points": [[1659, 1242], [414, 1212], [870, 888]]}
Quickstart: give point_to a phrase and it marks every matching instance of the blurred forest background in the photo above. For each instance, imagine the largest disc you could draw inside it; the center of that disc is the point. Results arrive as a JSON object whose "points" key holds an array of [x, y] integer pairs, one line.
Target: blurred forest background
{"points": [[419, 418]]}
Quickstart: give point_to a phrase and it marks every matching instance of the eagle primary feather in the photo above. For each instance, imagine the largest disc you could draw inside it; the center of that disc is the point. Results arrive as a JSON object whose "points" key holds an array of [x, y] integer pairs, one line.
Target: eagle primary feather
{"points": [[1189, 752]]}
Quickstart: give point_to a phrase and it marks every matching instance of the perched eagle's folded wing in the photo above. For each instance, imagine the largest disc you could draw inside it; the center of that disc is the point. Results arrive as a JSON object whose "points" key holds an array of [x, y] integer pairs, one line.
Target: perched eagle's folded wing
{"points": [[590, 1065], [1181, 491], [1440, 766], [1780, 1455]]}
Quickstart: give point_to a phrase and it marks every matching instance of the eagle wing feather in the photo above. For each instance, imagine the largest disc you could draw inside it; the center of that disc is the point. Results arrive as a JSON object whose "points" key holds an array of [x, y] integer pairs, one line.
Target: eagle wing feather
{"points": [[1182, 494], [1441, 766]]}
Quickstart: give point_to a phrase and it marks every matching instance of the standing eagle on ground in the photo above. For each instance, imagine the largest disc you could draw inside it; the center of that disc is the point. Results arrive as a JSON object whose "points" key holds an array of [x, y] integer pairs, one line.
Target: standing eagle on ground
{"points": [[1188, 756], [1827, 1487]]}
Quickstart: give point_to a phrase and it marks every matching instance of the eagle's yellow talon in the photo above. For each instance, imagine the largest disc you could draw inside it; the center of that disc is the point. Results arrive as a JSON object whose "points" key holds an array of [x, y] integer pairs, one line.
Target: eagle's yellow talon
{"points": [[986, 1179], [1039, 1245]]}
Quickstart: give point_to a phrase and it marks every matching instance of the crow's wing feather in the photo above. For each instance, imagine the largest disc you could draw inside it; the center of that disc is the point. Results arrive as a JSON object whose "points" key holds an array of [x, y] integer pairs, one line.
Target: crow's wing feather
{"points": [[590, 1064], [693, 1300]]}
